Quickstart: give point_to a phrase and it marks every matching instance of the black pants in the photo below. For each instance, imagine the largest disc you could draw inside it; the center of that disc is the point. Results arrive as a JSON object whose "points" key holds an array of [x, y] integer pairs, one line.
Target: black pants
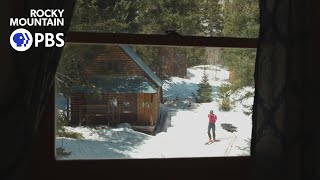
{"points": [[213, 127]]}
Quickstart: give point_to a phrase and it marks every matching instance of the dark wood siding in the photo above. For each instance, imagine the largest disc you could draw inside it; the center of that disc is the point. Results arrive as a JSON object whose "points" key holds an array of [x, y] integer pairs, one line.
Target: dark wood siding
{"points": [[148, 109], [111, 109], [140, 110], [144, 109], [113, 54]]}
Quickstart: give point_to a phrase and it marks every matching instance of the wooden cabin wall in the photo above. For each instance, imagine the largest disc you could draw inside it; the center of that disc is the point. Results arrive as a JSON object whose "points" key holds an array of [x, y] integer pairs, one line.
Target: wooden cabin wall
{"points": [[145, 109], [156, 105], [113, 54], [148, 109], [80, 105], [129, 117], [76, 100]]}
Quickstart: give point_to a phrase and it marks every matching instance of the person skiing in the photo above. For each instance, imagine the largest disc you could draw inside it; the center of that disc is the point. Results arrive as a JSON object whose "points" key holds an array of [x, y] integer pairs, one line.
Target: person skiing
{"points": [[212, 120]]}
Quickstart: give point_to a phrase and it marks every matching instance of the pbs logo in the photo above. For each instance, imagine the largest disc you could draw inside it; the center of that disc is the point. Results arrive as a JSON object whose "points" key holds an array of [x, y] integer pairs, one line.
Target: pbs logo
{"points": [[21, 39]]}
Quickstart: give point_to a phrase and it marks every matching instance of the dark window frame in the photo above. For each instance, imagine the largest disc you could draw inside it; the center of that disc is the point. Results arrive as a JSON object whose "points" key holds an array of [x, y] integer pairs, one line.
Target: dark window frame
{"points": [[161, 40], [43, 165], [138, 168], [114, 67]]}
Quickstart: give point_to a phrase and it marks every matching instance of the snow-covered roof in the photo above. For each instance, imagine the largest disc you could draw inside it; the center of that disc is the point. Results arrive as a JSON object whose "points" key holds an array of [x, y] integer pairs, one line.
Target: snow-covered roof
{"points": [[141, 64], [118, 84]]}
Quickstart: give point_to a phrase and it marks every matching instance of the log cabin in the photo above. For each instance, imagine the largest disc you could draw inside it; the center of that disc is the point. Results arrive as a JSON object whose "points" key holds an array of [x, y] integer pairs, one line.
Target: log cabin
{"points": [[128, 91]]}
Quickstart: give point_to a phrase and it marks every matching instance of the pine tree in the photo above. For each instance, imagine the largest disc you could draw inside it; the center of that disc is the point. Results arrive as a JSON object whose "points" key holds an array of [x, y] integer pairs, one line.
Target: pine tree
{"points": [[241, 19], [162, 15], [157, 17], [205, 89], [211, 17], [224, 95], [105, 16], [203, 17]]}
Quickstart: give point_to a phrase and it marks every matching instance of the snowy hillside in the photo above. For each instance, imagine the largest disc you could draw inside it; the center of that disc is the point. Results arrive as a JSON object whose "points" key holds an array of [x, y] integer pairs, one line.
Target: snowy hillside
{"points": [[185, 137], [183, 88]]}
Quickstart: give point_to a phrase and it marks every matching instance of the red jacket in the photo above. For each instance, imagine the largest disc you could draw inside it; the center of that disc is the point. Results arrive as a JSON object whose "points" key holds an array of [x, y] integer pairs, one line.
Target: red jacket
{"points": [[212, 118]]}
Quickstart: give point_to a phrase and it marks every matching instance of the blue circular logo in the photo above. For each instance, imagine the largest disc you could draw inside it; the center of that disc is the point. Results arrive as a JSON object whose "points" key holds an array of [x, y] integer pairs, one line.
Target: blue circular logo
{"points": [[21, 39]]}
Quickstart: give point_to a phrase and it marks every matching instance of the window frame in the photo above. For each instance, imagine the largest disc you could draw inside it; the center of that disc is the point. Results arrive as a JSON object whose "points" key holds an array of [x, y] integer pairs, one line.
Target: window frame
{"points": [[43, 165], [44, 146], [159, 40]]}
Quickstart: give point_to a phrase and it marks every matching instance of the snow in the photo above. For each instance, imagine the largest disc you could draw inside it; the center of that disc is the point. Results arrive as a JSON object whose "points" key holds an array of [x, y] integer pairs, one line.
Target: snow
{"points": [[188, 131], [183, 88]]}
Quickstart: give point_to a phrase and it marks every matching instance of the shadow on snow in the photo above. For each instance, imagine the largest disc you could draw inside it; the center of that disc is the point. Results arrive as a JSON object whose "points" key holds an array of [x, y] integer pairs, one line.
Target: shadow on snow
{"points": [[116, 146]]}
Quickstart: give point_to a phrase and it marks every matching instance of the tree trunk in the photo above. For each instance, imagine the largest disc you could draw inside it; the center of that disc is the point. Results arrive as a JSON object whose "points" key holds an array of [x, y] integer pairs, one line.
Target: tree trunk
{"points": [[68, 108]]}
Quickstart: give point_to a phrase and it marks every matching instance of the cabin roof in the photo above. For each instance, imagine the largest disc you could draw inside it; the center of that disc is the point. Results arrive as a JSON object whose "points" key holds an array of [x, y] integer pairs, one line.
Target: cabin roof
{"points": [[118, 84], [141, 64]]}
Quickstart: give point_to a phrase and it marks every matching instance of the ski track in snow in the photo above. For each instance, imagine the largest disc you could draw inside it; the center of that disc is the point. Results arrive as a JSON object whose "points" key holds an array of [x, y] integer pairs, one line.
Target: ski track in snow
{"points": [[186, 136]]}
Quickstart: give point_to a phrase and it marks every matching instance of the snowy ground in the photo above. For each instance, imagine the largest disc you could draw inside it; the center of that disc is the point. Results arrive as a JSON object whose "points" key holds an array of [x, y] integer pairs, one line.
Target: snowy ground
{"points": [[186, 136]]}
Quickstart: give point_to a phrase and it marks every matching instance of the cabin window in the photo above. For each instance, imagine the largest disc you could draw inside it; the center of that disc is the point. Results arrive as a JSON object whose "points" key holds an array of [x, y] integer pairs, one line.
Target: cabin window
{"points": [[114, 67], [109, 66], [189, 35], [118, 67]]}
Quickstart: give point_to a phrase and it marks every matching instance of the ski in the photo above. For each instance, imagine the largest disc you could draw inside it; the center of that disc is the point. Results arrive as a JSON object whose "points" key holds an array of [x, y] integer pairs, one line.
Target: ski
{"points": [[207, 143], [210, 142]]}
